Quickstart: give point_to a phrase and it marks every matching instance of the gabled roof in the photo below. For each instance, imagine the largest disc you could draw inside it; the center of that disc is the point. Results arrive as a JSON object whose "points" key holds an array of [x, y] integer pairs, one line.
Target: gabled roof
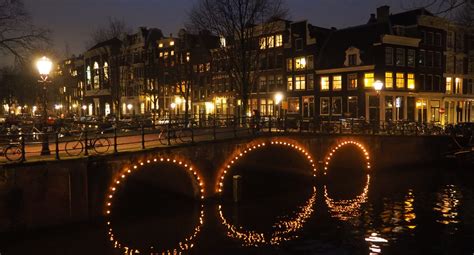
{"points": [[362, 37], [113, 41]]}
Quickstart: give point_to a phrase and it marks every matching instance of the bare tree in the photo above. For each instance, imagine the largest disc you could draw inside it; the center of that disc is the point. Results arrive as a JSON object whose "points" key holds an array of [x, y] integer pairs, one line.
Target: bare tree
{"points": [[460, 11], [18, 37], [237, 20], [115, 28]]}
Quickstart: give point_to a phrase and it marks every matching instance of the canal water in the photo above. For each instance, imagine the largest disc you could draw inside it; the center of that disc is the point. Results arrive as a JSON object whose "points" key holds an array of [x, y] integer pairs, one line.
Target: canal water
{"points": [[283, 210]]}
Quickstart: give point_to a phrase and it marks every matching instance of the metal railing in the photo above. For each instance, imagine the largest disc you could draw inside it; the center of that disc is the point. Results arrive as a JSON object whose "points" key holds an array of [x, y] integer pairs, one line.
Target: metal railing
{"points": [[85, 140]]}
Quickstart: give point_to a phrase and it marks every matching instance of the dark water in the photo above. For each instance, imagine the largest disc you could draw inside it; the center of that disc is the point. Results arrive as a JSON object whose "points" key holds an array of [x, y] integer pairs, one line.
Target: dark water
{"points": [[411, 210]]}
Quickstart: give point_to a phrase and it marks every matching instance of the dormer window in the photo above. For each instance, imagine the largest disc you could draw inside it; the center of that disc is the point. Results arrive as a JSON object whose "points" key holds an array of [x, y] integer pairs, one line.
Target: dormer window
{"points": [[352, 57], [299, 44]]}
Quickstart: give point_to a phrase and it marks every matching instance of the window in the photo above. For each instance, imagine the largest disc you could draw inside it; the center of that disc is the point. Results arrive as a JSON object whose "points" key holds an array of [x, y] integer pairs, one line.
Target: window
{"points": [[352, 59], [172, 53], [106, 71], [309, 62], [270, 42], [222, 41], [308, 106], [422, 82], [160, 45], [389, 80], [436, 82], [411, 58], [263, 43], [429, 58], [422, 58], [435, 105], [171, 43], [270, 82], [459, 65], [263, 83], [324, 106], [450, 40], [429, 38], [400, 57], [310, 81], [88, 75], [352, 81], [324, 83], [337, 105], [299, 44], [368, 80], [411, 81], [449, 85], [300, 82], [437, 39], [458, 84], [300, 63], [400, 80], [96, 80], [352, 107], [437, 60], [388, 56], [337, 82], [289, 64], [289, 84], [278, 40], [293, 105]]}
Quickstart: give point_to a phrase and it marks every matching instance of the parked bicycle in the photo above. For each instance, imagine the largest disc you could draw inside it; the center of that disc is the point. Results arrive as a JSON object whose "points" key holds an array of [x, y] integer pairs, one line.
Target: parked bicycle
{"points": [[99, 144], [12, 150], [177, 135]]}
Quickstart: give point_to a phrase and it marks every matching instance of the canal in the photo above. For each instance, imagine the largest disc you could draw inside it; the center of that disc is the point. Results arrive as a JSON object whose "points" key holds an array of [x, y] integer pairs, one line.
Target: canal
{"points": [[283, 210]]}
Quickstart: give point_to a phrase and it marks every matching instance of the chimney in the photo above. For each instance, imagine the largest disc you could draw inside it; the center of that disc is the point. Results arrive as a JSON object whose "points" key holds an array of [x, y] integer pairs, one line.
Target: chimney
{"points": [[383, 13], [372, 19]]}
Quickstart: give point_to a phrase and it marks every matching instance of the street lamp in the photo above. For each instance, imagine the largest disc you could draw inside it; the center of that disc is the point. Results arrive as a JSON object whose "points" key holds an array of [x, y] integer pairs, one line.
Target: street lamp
{"points": [[278, 98], [178, 102], [378, 85], [130, 107], [44, 66]]}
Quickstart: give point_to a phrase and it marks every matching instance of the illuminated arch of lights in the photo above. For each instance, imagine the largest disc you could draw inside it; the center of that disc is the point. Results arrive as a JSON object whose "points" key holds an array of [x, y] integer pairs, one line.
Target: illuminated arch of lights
{"points": [[118, 182], [340, 145], [347, 209], [241, 154], [284, 230]]}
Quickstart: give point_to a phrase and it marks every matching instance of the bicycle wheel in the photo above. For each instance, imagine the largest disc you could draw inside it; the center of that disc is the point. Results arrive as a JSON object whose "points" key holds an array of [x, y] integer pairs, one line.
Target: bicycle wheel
{"points": [[13, 153], [101, 145], [74, 148], [163, 137], [185, 135]]}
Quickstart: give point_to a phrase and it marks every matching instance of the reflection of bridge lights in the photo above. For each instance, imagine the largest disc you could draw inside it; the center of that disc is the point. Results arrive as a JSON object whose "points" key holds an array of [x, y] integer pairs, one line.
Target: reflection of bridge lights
{"points": [[284, 230], [333, 151], [240, 154], [374, 239], [447, 205], [347, 209], [410, 215], [183, 245]]}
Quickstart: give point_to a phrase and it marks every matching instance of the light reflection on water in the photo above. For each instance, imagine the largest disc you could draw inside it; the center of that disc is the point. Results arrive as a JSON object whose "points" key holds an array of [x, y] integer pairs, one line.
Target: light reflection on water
{"points": [[448, 201]]}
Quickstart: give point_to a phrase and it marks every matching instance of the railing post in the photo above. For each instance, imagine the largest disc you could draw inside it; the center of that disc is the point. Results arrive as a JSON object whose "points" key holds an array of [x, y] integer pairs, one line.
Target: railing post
{"points": [[352, 126], [169, 132], [285, 124], [115, 140], [235, 127], [214, 128], [270, 124], [143, 136], [23, 150], [86, 144], [192, 133], [57, 144]]}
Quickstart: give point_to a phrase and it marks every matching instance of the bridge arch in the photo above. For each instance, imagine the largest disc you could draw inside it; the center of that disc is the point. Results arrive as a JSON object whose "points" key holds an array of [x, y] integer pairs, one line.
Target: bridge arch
{"points": [[120, 179], [241, 153], [335, 148]]}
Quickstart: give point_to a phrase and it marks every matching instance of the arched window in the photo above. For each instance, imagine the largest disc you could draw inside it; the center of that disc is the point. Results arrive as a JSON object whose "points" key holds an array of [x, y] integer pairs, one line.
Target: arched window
{"points": [[96, 84], [106, 71], [88, 76]]}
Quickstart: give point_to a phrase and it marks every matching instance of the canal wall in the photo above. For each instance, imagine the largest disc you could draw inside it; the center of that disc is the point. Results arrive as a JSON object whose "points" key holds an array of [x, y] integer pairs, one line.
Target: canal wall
{"points": [[45, 194]]}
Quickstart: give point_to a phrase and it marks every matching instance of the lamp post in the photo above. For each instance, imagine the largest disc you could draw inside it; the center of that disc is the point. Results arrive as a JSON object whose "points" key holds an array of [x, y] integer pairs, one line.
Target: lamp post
{"points": [[44, 66], [378, 85], [130, 107], [278, 98]]}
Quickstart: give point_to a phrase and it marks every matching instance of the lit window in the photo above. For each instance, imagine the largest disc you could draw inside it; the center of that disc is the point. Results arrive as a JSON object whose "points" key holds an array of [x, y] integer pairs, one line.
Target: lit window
{"points": [[88, 75], [337, 82], [160, 45], [300, 82], [171, 43], [223, 41], [352, 81], [188, 56], [289, 83], [389, 80], [293, 105], [106, 71], [263, 43], [278, 40], [161, 54], [368, 80], [400, 80], [449, 85], [270, 42], [411, 81], [324, 83], [300, 63], [289, 64], [324, 106], [172, 53], [458, 84]]}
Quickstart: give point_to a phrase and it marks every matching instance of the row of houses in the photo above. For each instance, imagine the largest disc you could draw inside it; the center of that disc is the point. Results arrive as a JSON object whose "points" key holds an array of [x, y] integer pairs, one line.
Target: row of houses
{"points": [[425, 62]]}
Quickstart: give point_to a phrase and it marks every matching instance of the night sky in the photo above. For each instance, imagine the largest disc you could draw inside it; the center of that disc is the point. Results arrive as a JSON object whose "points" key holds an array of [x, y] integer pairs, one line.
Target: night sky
{"points": [[72, 20]]}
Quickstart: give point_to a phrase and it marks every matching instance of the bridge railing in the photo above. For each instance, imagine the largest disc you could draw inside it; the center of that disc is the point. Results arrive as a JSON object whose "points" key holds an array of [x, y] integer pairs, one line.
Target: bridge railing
{"points": [[86, 140]]}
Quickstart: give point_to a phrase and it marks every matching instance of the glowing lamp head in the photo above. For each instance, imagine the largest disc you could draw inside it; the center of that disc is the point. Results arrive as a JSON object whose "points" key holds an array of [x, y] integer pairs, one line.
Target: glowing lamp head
{"points": [[173, 105], [177, 100], [44, 66], [84, 107], [378, 85], [278, 98], [129, 106]]}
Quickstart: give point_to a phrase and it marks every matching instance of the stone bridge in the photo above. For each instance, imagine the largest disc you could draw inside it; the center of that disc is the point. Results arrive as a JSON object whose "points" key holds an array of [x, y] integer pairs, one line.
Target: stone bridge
{"points": [[40, 194]]}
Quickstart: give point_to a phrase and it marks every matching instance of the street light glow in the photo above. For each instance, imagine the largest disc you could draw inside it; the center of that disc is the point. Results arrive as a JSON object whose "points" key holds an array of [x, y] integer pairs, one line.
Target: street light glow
{"points": [[278, 97], [129, 106], [44, 66], [173, 105], [378, 85]]}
